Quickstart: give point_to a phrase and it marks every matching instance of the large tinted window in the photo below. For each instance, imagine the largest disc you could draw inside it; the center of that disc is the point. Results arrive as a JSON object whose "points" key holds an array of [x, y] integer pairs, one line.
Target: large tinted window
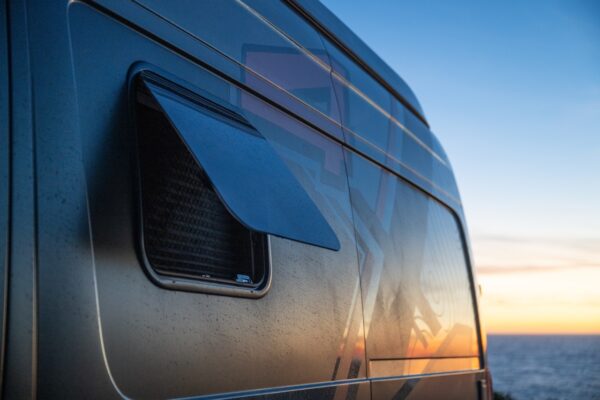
{"points": [[415, 280]]}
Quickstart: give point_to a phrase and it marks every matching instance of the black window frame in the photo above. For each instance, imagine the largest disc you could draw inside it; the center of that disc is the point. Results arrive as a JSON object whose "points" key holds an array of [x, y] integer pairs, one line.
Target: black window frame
{"points": [[182, 282]]}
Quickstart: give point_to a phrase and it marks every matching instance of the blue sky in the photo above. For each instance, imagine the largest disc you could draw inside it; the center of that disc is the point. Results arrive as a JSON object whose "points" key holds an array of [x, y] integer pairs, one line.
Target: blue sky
{"points": [[512, 89]]}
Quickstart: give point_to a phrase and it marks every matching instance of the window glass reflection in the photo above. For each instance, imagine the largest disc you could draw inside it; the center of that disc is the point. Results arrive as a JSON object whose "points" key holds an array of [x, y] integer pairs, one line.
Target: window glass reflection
{"points": [[261, 47], [416, 290]]}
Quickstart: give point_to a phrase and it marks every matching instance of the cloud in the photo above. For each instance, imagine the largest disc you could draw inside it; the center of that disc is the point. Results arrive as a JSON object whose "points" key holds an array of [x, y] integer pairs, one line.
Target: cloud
{"points": [[587, 242], [587, 245], [503, 269]]}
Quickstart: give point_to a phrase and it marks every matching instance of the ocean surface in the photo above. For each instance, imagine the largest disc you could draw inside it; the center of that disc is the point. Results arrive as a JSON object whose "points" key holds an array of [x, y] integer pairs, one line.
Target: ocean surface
{"points": [[545, 367]]}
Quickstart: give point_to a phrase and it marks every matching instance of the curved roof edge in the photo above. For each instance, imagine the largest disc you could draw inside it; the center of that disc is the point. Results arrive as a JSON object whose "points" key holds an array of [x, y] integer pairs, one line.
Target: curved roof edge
{"points": [[330, 25]]}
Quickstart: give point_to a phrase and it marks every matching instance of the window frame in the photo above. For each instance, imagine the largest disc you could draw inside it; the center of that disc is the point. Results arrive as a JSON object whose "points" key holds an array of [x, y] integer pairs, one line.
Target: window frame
{"points": [[215, 286], [457, 217]]}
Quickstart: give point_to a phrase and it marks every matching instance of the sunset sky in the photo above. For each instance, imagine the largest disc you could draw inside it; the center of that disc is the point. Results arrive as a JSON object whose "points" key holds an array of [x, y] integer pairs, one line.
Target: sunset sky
{"points": [[512, 89]]}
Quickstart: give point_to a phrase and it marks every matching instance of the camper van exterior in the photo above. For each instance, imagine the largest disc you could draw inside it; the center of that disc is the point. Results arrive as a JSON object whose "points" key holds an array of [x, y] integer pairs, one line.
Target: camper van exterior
{"points": [[223, 199]]}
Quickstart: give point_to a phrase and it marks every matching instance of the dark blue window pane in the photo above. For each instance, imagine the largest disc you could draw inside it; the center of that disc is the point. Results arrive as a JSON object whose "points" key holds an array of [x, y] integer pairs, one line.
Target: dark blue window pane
{"points": [[247, 174]]}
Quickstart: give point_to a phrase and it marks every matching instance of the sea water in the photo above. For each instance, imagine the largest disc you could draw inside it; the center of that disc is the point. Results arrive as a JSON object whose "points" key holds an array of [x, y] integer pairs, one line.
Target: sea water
{"points": [[545, 367]]}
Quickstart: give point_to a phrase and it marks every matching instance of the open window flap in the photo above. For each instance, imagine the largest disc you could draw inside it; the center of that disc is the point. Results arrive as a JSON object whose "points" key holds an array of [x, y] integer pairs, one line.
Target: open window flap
{"points": [[246, 172]]}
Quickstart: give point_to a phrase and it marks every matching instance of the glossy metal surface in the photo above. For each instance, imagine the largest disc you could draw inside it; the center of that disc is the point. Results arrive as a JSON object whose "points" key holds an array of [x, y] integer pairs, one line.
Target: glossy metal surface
{"points": [[295, 71], [416, 287], [306, 329], [316, 162], [287, 22], [85, 320], [4, 175], [377, 125], [338, 31], [249, 177], [364, 104], [164, 31], [260, 46], [21, 347]]}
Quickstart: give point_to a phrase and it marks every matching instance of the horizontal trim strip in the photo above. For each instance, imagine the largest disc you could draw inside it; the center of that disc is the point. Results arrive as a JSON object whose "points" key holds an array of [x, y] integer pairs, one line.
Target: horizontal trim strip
{"points": [[326, 69], [387, 115], [280, 389], [324, 20], [443, 196], [399, 162]]}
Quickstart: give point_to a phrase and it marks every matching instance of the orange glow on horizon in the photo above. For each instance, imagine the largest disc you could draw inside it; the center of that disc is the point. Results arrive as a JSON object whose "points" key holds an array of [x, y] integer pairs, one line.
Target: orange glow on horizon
{"points": [[561, 302], [539, 288]]}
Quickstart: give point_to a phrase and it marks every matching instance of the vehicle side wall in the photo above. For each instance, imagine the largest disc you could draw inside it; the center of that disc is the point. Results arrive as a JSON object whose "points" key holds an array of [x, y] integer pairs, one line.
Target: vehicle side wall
{"points": [[79, 299]]}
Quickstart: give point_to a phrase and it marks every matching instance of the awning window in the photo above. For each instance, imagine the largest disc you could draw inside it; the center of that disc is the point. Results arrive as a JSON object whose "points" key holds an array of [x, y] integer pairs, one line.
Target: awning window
{"points": [[249, 177]]}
